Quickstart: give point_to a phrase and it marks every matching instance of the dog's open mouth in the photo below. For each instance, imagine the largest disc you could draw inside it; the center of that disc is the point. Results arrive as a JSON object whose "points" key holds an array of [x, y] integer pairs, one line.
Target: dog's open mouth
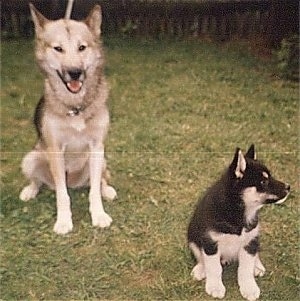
{"points": [[74, 86], [280, 198], [73, 79]]}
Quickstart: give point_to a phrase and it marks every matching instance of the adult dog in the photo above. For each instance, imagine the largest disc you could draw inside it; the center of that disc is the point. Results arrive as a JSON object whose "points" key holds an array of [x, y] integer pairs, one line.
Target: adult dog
{"points": [[71, 118]]}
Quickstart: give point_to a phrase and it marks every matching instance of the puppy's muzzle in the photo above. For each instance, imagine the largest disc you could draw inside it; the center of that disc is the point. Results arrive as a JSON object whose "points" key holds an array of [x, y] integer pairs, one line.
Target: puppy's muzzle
{"points": [[287, 192]]}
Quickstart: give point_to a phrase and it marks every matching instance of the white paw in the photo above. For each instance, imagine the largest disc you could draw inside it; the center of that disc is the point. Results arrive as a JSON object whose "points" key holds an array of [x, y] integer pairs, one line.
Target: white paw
{"points": [[29, 192], [215, 289], [109, 193], [249, 291], [63, 226], [259, 269], [198, 272], [102, 220]]}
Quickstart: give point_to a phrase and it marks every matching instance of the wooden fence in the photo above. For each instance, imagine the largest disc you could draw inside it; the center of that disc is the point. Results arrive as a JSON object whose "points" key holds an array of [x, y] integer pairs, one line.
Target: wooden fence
{"points": [[220, 20]]}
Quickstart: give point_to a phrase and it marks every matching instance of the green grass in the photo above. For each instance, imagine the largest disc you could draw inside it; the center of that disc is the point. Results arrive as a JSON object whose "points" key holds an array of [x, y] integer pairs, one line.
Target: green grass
{"points": [[178, 110]]}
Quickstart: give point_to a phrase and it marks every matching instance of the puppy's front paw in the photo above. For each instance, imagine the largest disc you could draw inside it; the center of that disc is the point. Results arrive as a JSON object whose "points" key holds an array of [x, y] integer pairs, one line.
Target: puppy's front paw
{"points": [[63, 226], [250, 291], [198, 272], [102, 220], [215, 289], [259, 269]]}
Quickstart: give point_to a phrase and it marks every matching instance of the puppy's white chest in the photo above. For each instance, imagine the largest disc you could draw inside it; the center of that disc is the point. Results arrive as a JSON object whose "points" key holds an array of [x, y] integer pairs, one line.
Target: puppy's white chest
{"points": [[229, 245]]}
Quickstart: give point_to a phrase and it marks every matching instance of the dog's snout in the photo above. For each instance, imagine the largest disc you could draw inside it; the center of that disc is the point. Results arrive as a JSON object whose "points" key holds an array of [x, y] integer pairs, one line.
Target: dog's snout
{"points": [[75, 73]]}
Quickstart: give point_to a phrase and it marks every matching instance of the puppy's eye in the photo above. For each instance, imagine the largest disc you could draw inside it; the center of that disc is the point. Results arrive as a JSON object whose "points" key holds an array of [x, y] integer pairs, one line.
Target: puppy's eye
{"points": [[81, 48], [264, 182], [58, 49]]}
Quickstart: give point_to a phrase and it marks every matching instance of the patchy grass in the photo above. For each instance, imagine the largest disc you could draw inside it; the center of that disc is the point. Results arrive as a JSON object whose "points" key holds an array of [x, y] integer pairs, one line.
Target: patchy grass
{"points": [[178, 111]]}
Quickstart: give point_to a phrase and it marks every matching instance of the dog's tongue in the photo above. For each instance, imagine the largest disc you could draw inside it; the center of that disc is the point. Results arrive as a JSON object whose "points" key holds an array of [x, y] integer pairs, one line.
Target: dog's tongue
{"points": [[74, 86]]}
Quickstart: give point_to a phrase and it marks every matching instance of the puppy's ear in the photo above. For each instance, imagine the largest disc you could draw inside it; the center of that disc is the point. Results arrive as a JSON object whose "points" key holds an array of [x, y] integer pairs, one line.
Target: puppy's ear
{"points": [[38, 19], [94, 20], [251, 154], [238, 165]]}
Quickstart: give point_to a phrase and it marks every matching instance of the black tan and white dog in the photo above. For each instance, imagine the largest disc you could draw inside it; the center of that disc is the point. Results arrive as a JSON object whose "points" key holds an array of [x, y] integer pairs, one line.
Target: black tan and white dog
{"points": [[71, 118], [225, 228]]}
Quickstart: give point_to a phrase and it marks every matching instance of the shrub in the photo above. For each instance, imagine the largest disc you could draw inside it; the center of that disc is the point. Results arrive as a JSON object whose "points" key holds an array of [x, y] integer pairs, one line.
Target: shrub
{"points": [[287, 58]]}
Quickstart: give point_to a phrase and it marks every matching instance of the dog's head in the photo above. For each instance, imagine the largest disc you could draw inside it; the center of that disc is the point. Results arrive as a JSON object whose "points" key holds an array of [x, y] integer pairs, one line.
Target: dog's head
{"points": [[66, 50], [255, 182]]}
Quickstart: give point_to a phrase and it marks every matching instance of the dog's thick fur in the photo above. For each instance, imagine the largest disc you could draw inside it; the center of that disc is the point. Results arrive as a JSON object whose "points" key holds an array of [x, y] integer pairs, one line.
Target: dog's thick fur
{"points": [[71, 118], [225, 225]]}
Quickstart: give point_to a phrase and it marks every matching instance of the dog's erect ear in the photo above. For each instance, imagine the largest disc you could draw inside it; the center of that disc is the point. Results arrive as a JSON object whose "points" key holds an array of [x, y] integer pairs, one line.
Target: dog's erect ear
{"points": [[251, 154], [38, 19], [238, 165], [94, 20]]}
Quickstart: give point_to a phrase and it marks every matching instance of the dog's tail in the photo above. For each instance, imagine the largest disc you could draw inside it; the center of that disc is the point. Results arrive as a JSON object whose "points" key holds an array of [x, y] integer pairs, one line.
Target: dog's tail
{"points": [[69, 9]]}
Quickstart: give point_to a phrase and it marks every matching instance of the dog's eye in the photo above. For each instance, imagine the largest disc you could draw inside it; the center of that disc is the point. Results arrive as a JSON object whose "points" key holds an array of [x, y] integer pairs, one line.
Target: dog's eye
{"points": [[264, 182], [81, 48], [58, 49]]}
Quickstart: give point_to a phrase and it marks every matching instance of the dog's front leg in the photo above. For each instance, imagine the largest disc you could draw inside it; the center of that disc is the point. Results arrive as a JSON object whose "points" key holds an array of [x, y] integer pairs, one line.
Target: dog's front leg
{"points": [[248, 287], [63, 223], [213, 270], [96, 161]]}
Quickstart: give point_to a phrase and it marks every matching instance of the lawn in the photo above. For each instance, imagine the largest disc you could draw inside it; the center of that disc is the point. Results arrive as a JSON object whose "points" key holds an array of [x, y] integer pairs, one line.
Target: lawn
{"points": [[178, 111]]}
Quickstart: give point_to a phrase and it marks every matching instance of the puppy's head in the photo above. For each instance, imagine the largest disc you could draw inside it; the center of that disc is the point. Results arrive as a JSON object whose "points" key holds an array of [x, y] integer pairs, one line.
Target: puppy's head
{"points": [[255, 182]]}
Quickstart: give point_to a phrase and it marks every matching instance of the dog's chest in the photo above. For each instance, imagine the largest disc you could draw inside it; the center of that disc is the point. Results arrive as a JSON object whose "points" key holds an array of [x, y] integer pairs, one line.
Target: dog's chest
{"points": [[73, 133], [229, 245], [77, 123]]}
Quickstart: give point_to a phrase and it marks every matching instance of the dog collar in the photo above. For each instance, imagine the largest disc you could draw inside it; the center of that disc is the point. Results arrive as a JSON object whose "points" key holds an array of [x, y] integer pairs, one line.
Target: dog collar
{"points": [[75, 111]]}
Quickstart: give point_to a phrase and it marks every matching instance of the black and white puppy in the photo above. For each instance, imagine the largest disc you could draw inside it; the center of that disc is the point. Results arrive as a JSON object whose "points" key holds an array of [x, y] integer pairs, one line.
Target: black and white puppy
{"points": [[225, 227]]}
